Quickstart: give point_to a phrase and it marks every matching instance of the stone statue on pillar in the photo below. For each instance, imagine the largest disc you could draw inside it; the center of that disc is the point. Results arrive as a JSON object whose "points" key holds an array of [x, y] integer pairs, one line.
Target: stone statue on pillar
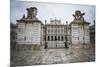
{"points": [[31, 12], [78, 16]]}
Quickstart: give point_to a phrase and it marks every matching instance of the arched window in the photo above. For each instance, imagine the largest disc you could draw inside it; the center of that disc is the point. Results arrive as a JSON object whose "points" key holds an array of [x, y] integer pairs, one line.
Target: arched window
{"points": [[55, 38], [48, 38], [51, 38], [62, 38], [59, 38], [24, 38]]}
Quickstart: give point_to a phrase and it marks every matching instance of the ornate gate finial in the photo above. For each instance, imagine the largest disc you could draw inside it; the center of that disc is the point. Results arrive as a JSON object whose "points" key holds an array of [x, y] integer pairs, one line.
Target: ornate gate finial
{"points": [[31, 12], [78, 15]]}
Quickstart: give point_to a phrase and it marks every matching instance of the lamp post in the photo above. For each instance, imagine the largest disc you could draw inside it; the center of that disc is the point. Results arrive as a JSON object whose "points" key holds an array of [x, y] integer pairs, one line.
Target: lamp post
{"points": [[66, 44], [56, 32], [45, 35]]}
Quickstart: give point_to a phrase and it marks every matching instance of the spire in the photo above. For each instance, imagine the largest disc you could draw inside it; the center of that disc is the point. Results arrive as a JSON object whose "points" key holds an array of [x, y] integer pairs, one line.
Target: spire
{"points": [[55, 19], [23, 16], [45, 21], [66, 22]]}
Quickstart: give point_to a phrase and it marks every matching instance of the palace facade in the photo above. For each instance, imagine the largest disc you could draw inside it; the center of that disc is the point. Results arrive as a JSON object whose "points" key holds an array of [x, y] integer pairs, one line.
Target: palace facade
{"points": [[33, 34], [56, 33]]}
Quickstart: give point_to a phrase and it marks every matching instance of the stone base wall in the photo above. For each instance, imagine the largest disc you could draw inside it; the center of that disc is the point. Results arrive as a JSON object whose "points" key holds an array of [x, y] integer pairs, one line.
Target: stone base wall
{"points": [[81, 44], [24, 47]]}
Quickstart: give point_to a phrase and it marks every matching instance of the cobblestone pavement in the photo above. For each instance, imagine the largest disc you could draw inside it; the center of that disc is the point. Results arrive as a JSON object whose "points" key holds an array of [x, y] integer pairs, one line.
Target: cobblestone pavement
{"points": [[77, 53]]}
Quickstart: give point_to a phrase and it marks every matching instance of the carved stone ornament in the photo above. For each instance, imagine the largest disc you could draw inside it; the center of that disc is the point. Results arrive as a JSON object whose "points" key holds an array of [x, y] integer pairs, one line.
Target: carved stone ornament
{"points": [[78, 15], [31, 12]]}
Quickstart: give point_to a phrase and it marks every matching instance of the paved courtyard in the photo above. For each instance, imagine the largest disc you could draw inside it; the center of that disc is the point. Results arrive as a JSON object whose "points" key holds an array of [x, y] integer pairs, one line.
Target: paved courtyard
{"points": [[77, 53]]}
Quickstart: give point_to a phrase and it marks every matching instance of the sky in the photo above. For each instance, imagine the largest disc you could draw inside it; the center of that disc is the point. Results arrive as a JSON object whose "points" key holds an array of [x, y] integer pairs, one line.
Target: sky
{"points": [[47, 10]]}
